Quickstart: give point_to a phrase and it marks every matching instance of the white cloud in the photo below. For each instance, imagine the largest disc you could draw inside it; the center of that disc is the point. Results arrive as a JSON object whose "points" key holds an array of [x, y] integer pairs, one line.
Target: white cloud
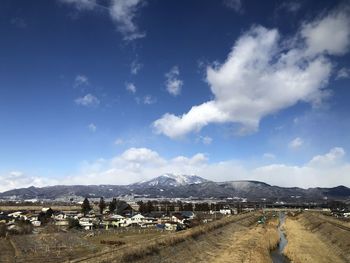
{"points": [[296, 143], [136, 164], [343, 73], [123, 13], [119, 141], [173, 83], [148, 100], [233, 4], [330, 158], [269, 156], [135, 67], [131, 87], [204, 139], [88, 100], [18, 179], [81, 4], [140, 155], [92, 127], [290, 6], [81, 80], [262, 75], [330, 34]]}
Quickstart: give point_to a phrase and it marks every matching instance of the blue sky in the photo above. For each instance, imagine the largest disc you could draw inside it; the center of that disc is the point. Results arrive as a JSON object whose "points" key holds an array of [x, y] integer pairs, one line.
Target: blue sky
{"points": [[113, 91]]}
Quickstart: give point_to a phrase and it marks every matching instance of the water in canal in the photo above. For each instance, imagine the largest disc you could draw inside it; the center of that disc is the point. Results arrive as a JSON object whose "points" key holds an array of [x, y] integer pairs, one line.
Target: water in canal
{"points": [[277, 254]]}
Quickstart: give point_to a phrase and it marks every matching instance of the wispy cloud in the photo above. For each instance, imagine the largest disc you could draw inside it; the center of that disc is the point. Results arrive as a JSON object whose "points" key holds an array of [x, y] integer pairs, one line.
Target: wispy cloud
{"points": [[173, 82], [235, 5], [88, 100], [270, 156], [204, 139], [19, 22], [135, 67], [130, 87], [343, 73], [119, 141], [92, 127], [122, 12], [149, 99], [296, 143], [81, 81], [290, 6], [81, 4]]}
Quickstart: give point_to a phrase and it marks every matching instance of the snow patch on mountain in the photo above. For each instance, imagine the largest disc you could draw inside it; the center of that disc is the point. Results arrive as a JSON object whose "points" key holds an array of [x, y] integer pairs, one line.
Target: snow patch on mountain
{"points": [[173, 180]]}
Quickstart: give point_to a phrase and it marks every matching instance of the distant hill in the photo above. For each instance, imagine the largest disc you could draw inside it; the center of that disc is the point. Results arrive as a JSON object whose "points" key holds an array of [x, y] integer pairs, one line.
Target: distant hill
{"points": [[182, 186]]}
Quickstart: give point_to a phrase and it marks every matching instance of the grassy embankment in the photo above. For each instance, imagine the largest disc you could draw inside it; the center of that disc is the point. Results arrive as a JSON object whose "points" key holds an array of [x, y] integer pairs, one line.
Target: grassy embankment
{"points": [[311, 238], [232, 239]]}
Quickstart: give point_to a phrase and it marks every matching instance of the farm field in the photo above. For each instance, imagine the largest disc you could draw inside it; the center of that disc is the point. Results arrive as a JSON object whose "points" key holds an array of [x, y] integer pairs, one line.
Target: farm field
{"points": [[312, 237], [10, 208]]}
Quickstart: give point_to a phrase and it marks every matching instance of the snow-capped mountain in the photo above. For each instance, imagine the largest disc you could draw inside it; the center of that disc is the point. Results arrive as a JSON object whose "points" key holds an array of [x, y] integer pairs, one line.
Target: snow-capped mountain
{"points": [[167, 180]]}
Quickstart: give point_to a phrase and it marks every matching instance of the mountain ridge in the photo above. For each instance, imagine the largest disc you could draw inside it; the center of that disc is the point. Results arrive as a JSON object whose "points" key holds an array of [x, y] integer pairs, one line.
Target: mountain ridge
{"points": [[182, 186]]}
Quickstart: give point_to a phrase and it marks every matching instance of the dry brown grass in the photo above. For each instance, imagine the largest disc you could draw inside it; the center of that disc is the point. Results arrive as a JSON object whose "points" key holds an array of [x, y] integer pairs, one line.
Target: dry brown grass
{"points": [[254, 245], [220, 241], [306, 245], [143, 250]]}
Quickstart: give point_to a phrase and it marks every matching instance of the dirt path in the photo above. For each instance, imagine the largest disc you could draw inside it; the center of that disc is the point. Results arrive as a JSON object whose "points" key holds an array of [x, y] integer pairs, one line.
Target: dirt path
{"points": [[308, 241]]}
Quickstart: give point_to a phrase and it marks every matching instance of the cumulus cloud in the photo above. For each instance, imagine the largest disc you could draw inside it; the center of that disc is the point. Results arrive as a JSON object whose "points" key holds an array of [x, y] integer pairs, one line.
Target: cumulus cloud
{"points": [[18, 179], [296, 143], [330, 34], [137, 164], [88, 100], [131, 87], [263, 75], [173, 82]]}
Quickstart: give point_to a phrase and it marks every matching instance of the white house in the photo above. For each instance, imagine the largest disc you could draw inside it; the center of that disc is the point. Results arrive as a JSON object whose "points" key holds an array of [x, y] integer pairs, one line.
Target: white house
{"points": [[86, 223], [114, 220], [346, 214], [177, 218], [17, 215], [137, 219], [225, 211], [36, 223]]}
